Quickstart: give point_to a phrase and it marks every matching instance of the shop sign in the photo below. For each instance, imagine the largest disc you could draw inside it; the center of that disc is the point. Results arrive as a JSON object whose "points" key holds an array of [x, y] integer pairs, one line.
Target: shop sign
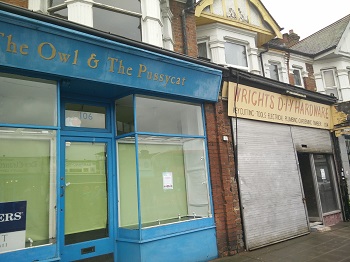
{"points": [[12, 225], [257, 104], [38, 46]]}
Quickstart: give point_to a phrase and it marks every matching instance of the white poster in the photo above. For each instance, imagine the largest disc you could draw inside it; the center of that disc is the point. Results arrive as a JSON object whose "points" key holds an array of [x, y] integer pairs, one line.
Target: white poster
{"points": [[168, 180], [323, 174]]}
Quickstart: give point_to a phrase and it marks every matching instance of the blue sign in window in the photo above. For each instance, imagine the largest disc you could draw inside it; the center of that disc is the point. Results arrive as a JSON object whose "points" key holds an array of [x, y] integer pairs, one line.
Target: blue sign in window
{"points": [[13, 216]]}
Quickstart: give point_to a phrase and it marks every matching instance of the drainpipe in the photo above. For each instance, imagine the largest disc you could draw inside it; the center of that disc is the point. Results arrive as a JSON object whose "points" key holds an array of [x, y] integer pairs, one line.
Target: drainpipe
{"points": [[190, 5], [235, 153], [261, 60]]}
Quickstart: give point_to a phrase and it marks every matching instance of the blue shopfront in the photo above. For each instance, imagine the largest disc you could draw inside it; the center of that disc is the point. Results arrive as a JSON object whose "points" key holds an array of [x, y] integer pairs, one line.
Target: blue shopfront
{"points": [[103, 144]]}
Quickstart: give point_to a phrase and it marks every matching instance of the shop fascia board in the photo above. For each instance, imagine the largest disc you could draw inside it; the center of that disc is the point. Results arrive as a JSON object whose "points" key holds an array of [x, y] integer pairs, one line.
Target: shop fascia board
{"points": [[208, 78], [94, 32]]}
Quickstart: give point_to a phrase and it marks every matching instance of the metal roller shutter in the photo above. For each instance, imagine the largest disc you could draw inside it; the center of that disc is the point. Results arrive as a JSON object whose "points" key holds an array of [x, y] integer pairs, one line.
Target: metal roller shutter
{"points": [[311, 140], [270, 186]]}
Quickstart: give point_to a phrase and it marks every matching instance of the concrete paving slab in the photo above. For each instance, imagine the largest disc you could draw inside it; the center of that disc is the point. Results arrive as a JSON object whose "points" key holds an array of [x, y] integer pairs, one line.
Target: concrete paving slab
{"points": [[322, 246]]}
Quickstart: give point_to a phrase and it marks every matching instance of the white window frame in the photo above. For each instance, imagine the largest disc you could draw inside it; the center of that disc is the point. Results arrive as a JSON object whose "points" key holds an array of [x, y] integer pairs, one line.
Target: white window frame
{"points": [[87, 18], [278, 67], [299, 70], [323, 71], [229, 41], [206, 49]]}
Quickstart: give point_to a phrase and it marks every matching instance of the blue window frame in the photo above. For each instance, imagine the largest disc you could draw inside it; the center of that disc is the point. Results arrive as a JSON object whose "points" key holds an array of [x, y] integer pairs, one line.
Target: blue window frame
{"points": [[163, 175], [85, 116]]}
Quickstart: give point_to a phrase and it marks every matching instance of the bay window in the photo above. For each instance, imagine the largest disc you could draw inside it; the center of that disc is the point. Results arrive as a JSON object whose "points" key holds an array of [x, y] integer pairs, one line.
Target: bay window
{"points": [[117, 17], [162, 166]]}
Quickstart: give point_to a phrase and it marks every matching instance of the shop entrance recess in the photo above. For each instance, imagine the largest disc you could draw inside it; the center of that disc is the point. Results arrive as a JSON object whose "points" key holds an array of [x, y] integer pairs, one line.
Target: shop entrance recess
{"points": [[319, 186], [84, 192]]}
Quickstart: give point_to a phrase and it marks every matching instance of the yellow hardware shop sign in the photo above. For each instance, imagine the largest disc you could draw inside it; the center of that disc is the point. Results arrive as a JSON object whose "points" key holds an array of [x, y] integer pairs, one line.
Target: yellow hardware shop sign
{"points": [[256, 104]]}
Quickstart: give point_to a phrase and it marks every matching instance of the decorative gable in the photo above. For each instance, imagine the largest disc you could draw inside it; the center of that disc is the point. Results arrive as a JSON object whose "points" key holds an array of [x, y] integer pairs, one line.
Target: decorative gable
{"points": [[250, 15], [343, 47]]}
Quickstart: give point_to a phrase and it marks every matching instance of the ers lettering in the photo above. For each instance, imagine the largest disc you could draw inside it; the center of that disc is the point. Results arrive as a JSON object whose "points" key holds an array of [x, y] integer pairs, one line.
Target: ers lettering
{"points": [[10, 217]]}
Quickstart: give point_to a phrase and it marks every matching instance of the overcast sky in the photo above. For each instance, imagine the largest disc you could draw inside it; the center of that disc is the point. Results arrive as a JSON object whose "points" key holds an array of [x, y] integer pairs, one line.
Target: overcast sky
{"points": [[306, 17]]}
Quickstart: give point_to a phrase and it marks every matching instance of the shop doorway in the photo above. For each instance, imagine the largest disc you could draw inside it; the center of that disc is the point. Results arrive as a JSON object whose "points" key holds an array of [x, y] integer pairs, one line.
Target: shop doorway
{"points": [[309, 186], [84, 192], [317, 173]]}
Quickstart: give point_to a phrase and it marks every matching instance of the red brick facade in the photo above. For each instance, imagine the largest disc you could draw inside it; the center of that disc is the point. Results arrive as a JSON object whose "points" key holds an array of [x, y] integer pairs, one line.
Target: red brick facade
{"points": [[309, 81], [176, 9], [224, 186]]}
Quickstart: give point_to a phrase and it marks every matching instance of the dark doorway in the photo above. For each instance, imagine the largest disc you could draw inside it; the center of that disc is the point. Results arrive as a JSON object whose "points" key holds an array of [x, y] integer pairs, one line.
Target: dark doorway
{"points": [[309, 187]]}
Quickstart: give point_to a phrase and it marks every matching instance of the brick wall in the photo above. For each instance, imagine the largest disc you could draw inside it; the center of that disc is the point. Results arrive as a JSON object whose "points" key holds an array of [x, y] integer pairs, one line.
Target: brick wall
{"points": [[224, 186], [333, 219], [21, 3], [310, 83], [176, 8]]}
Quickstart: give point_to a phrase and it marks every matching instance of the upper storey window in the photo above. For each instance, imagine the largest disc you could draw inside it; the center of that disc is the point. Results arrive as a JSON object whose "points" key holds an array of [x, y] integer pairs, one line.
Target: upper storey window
{"points": [[297, 77], [114, 16], [236, 55]]}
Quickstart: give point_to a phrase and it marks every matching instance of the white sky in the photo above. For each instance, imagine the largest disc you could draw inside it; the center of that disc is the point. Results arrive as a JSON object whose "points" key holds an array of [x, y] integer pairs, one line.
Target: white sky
{"points": [[306, 17]]}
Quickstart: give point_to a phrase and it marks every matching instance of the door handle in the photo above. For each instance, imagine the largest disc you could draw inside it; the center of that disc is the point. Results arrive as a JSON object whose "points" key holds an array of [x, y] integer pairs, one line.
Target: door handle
{"points": [[63, 188], [62, 191]]}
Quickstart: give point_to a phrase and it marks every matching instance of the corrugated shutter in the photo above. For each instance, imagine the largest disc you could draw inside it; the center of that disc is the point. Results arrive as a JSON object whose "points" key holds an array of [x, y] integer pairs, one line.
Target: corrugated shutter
{"points": [[311, 140], [270, 186]]}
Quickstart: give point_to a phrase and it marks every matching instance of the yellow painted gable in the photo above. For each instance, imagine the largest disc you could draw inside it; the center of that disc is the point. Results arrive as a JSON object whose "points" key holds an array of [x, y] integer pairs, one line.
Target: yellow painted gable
{"points": [[250, 15]]}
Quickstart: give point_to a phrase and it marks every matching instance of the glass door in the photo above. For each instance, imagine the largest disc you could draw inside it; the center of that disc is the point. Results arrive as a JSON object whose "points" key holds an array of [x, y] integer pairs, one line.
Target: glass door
{"points": [[84, 192]]}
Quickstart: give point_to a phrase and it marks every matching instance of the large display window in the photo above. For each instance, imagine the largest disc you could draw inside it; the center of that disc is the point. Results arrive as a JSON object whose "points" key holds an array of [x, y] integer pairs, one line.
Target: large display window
{"points": [[28, 123], [162, 168], [27, 174]]}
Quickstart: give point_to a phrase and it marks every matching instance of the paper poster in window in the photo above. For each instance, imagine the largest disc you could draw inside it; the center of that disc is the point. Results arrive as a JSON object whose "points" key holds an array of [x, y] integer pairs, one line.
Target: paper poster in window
{"points": [[323, 174], [168, 180]]}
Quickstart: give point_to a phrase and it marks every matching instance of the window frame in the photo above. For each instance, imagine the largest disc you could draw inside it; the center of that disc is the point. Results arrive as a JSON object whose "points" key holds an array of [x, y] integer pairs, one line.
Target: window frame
{"points": [[228, 41], [333, 70], [206, 49], [52, 9], [299, 70], [135, 136], [35, 135], [108, 124], [277, 67]]}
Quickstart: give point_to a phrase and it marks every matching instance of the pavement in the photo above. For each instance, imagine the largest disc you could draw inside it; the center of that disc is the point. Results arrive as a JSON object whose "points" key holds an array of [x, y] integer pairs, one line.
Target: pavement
{"points": [[318, 246]]}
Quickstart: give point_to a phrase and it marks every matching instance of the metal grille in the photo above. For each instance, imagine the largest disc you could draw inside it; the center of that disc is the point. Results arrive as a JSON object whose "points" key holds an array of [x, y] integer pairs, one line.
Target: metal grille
{"points": [[270, 186]]}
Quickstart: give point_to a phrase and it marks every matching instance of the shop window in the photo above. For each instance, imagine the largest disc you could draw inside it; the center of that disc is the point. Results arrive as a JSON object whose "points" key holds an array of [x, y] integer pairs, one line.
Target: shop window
{"points": [[169, 170], [28, 101], [124, 115], [329, 78], [326, 183], [82, 115], [163, 116], [274, 73], [27, 173], [297, 77], [236, 55]]}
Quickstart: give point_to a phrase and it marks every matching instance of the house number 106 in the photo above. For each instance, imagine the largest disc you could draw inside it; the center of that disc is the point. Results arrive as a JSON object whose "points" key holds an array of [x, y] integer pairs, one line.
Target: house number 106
{"points": [[84, 115]]}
